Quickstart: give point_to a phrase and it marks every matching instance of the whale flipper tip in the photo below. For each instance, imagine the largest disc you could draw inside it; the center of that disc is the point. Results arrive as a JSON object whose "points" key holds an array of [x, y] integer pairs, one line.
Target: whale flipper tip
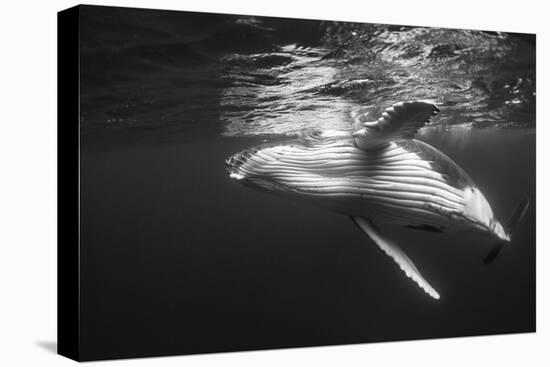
{"points": [[396, 253]]}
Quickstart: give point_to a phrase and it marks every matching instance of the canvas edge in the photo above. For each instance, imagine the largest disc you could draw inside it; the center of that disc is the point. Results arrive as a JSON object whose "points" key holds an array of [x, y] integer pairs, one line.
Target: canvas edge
{"points": [[68, 184]]}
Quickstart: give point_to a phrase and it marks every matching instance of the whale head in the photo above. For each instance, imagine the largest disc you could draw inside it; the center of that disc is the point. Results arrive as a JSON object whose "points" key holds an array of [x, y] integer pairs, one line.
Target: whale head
{"points": [[240, 167]]}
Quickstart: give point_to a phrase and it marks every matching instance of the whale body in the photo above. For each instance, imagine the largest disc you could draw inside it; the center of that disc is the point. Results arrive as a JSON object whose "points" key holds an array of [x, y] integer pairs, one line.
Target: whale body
{"points": [[379, 174]]}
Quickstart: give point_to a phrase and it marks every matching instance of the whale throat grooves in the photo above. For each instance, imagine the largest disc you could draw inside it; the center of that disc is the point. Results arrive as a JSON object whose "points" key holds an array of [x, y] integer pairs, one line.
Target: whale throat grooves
{"points": [[395, 184]]}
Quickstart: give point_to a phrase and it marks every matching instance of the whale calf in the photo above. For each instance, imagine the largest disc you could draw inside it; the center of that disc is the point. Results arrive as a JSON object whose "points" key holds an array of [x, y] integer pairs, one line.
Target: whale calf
{"points": [[379, 174]]}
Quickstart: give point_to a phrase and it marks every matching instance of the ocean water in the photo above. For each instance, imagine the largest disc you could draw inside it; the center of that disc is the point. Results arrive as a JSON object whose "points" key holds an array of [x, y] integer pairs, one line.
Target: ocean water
{"points": [[178, 258]]}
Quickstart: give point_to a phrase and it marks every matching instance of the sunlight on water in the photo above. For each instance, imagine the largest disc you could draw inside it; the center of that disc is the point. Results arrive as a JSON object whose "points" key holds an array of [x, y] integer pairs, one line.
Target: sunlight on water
{"points": [[250, 76], [285, 104], [466, 72]]}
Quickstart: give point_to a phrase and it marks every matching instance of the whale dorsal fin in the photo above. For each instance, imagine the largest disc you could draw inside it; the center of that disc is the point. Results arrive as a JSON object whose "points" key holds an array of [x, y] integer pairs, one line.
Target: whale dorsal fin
{"points": [[400, 121], [396, 253]]}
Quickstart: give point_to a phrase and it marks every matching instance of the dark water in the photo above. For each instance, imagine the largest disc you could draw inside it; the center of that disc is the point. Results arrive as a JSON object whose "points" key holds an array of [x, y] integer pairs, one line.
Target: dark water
{"points": [[177, 258]]}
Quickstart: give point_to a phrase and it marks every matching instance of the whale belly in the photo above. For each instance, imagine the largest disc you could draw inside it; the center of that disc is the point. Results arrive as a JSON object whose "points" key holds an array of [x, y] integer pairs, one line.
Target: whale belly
{"points": [[405, 183]]}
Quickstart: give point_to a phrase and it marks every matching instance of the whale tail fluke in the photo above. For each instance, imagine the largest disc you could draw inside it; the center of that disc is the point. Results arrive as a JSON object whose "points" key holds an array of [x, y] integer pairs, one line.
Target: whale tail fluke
{"points": [[511, 225], [517, 216]]}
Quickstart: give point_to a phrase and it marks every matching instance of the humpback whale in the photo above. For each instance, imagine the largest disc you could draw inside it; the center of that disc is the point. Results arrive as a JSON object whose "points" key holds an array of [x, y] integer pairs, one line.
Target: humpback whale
{"points": [[379, 174]]}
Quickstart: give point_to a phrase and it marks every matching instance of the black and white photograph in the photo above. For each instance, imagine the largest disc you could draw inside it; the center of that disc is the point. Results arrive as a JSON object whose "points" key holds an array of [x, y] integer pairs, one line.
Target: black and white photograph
{"points": [[252, 182], [274, 183]]}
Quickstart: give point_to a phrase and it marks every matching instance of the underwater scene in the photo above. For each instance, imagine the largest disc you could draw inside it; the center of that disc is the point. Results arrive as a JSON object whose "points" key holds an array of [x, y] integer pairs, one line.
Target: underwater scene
{"points": [[255, 182]]}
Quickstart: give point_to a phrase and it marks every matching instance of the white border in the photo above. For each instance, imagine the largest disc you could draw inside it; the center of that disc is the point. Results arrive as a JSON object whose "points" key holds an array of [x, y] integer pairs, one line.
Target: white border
{"points": [[28, 183]]}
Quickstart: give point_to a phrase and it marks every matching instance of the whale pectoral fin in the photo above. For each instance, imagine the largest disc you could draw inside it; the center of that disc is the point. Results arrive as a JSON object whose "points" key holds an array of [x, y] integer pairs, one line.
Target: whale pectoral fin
{"points": [[396, 253], [400, 121]]}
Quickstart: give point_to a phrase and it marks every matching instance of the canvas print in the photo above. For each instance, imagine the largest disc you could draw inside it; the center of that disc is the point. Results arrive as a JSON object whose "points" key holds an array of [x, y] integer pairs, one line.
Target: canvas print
{"points": [[250, 182]]}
